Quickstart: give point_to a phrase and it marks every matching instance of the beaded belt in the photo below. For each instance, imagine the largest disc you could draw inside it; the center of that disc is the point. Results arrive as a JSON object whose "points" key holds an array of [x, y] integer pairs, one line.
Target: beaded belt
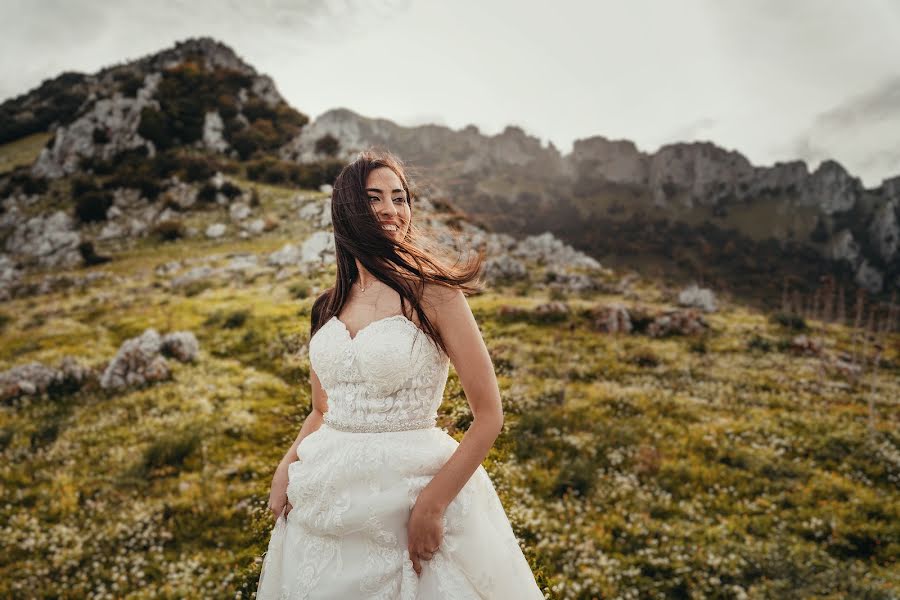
{"points": [[380, 427]]}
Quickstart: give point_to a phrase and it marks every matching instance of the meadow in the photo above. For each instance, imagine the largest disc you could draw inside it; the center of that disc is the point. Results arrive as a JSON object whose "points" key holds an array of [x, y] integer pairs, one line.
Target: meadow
{"points": [[724, 465]]}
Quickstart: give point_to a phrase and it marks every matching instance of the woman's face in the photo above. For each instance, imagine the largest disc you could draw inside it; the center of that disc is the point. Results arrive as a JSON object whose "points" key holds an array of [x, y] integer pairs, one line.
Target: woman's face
{"points": [[389, 201]]}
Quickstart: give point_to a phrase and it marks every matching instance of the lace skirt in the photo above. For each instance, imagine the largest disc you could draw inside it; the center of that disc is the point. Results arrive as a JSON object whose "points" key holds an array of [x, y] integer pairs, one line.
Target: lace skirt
{"points": [[345, 537]]}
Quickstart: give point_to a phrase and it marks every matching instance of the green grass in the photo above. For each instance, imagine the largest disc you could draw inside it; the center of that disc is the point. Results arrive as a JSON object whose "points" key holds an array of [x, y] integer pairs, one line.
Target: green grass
{"points": [[22, 152], [629, 466]]}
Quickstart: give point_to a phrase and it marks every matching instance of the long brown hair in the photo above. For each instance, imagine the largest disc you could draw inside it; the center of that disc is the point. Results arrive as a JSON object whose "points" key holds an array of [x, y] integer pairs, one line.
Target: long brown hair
{"points": [[404, 265]]}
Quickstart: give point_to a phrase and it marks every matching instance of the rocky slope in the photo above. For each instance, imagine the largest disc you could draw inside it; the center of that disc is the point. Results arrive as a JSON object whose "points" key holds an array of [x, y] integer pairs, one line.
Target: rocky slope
{"points": [[688, 209], [512, 181]]}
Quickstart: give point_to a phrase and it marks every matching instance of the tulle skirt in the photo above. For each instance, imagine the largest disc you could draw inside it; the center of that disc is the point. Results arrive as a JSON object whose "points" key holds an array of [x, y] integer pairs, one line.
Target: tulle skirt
{"points": [[345, 537]]}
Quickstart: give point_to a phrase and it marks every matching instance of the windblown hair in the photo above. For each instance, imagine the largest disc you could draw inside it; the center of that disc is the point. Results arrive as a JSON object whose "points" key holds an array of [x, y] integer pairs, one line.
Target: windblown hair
{"points": [[405, 265]]}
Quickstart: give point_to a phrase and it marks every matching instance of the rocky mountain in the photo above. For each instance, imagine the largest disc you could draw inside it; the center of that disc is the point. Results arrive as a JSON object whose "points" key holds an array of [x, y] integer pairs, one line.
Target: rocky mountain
{"points": [[605, 189], [161, 126]]}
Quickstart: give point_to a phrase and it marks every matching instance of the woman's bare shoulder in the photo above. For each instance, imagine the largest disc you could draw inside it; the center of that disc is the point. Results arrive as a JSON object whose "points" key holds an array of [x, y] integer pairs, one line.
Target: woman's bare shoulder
{"points": [[436, 295]]}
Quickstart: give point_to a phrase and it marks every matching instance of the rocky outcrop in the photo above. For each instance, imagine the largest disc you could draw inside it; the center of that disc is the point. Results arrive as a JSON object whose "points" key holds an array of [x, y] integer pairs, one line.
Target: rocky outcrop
{"points": [[702, 298], [37, 379], [141, 360], [213, 129], [109, 128], [426, 144], [47, 241], [830, 189], [885, 229]]}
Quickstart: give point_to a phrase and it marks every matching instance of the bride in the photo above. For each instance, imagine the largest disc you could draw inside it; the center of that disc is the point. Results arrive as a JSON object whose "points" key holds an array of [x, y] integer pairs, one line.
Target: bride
{"points": [[373, 500]]}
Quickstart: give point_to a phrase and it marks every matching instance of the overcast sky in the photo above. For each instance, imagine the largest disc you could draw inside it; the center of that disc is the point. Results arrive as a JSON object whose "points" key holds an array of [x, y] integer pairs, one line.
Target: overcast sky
{"points": [[773, 79]]}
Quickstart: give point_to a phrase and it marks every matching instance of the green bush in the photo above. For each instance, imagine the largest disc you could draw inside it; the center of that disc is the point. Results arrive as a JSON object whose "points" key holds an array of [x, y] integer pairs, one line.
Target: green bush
{"points": [[100, 135], [790, 321], [280, 172], [328, 145], [89, 254], [169, 231], [92, 206], [171, 449], [129, 83], [198, 168], [207, 193], [21, 181], [300, 290], [230, 190], [236, 319], [153, 127]]}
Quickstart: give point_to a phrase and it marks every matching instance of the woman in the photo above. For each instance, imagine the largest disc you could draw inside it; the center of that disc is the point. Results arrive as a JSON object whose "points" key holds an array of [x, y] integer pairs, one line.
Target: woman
{"points": [[372, 500]]}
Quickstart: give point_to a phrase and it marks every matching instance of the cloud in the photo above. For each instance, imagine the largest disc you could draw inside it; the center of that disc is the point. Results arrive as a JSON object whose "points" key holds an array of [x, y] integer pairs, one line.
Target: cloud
{"points": [[862, 132], [39, 40], [692, 130]]}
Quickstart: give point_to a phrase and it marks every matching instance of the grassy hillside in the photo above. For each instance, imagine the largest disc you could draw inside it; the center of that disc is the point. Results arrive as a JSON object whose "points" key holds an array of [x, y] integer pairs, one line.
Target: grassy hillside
{"points": [[721, 466]]}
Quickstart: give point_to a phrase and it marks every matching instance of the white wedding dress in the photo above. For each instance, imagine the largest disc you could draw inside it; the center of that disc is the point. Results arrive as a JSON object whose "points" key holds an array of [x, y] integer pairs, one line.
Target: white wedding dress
{"points": [[359, 474]]}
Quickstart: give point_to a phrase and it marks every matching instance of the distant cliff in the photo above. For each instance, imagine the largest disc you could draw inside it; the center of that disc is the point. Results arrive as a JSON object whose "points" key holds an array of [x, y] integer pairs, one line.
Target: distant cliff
{"points": [[511, 180]]}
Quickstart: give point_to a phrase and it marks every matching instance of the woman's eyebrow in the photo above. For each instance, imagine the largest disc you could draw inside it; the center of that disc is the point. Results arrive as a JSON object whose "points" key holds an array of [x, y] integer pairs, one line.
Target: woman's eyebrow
{"points": [[379, 191]]}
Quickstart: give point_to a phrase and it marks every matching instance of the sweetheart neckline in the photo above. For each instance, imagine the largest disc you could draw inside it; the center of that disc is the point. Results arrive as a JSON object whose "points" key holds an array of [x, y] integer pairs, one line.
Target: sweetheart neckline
{"points": [[353, 338]]}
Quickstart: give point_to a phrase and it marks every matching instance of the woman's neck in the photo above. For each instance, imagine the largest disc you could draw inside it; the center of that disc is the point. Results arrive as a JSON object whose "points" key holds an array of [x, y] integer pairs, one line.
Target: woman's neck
{"points": [[364, 278]]}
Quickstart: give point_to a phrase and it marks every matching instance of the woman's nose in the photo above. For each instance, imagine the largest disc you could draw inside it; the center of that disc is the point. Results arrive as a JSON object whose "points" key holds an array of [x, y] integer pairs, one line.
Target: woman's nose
{"points": [[388, 208]]}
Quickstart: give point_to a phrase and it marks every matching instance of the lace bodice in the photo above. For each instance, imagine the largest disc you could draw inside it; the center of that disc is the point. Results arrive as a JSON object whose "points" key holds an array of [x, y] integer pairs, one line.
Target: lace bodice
{"points": [[389, 376]]}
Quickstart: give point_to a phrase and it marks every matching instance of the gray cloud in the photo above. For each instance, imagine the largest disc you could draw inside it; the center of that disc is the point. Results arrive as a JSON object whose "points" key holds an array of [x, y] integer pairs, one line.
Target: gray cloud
{"points": [[863, 132], [749, 76]]}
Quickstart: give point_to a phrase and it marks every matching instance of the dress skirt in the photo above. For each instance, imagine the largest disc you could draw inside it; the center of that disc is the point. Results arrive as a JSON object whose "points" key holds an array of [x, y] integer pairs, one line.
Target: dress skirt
{"points": [[345, 537]]}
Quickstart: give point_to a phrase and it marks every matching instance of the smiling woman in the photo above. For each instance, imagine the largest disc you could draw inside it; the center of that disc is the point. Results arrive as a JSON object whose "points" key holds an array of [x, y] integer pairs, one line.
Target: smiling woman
{"points": [[373, 500]]}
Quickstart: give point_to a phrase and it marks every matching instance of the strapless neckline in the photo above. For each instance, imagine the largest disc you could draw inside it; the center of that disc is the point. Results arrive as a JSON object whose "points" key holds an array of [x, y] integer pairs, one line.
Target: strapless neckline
{"points": [[353, 338]]}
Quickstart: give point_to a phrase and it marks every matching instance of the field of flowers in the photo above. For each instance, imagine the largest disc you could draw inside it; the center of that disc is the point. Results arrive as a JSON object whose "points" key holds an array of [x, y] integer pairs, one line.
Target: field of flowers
{"points": [[631, 467]]}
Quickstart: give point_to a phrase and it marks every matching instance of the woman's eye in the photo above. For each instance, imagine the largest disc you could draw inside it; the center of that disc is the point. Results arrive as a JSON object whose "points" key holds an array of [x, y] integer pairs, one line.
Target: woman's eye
{"points": [[399, 200]]}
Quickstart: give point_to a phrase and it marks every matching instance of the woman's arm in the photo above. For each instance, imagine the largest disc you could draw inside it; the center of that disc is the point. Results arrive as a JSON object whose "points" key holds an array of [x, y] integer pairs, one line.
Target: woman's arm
{"points": [[470, 358], [469, 355], [313, 419]]}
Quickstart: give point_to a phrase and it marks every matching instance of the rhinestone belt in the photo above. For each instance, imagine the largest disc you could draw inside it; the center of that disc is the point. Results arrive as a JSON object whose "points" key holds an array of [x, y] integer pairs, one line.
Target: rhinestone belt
{"points": [[425, 423]]}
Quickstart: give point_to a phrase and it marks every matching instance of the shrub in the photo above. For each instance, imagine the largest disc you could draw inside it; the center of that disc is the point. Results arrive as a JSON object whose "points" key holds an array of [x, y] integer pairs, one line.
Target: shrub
{"points": [[153, 127], [247, 141], [300, 290], [327, 144], [21, 181], [171, 450], [82, 184], [645, 357], [129, 83], [92, 206], [236, 319], [757, 342], [100, 135], [169, 230], [230, 190], [575, 477], [207, 193], [790, 321], [89, 255], [198, 168]]}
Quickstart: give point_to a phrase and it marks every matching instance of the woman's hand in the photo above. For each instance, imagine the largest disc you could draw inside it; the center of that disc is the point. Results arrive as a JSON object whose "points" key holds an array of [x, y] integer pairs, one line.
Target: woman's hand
{"points": [[425, 531], [278, 494]]}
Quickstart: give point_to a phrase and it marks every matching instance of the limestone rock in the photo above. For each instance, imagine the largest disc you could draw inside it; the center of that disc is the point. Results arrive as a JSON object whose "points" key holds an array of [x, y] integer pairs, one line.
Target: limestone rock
{"points": [[49, 241], [136, 363], [216, 230], [694, 296], [213, 132], [287, 255], [180, 345], [118, 117], [318, 248], [238, 211]]}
